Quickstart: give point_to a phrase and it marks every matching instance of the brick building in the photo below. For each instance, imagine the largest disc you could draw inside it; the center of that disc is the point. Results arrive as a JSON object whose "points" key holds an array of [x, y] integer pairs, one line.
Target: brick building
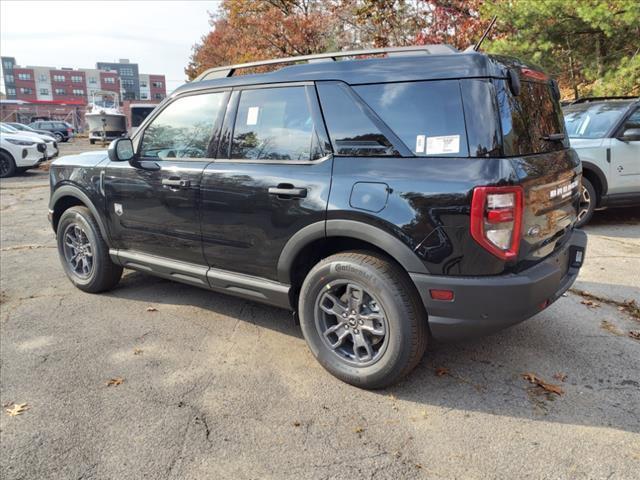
{"points": [[67, 85]]}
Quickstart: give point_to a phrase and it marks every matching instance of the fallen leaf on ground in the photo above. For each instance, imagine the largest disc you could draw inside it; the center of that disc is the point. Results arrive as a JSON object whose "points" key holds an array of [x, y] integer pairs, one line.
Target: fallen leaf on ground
{"points": [[358, 430], [442, 371], [560, 376], [296, 424], [137, 351], [17, 409], [152, 309], [548, 387], [635, 334], [610, 327], [114, 382], [590, 303]]}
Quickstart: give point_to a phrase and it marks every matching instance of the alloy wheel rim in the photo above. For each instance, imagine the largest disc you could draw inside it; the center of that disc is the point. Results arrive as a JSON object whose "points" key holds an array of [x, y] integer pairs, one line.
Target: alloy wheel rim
{"points": [[78, 251], [585, 203], [351, 323]]}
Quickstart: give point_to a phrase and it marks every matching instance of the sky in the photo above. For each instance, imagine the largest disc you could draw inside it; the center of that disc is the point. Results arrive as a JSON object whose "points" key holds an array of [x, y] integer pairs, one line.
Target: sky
{"points": [[157, 35]]}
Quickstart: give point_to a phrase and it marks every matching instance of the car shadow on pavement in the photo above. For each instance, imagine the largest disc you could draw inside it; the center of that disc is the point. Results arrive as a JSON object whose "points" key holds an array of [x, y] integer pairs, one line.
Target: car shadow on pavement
{"points": [[484, 375]]}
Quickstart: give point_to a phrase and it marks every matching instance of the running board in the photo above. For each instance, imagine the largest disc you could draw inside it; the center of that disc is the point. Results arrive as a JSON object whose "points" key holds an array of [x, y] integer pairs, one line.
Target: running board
{"points": [[237, 284]]}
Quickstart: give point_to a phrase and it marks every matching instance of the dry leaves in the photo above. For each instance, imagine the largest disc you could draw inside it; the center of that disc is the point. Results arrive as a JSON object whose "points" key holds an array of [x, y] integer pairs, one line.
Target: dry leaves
{"points": [[590, 303], [442, 371], [560, 376], [152, 309], [547, 387], [610, 327], [137, 351], [358, 430], [17, 409], [635, 334], [296, 423], [114, 382]]}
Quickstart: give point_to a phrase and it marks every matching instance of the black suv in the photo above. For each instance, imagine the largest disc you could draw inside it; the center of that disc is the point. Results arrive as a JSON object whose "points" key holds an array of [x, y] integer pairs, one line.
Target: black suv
{"points": [[62, 131], [426, 194]]}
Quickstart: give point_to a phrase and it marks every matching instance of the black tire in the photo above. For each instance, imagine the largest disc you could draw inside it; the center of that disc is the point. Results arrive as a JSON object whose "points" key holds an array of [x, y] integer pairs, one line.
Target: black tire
{"points": [[92, 142], [7, 165], [103, 274], [588, 202], [394, 300], [59, 137]]}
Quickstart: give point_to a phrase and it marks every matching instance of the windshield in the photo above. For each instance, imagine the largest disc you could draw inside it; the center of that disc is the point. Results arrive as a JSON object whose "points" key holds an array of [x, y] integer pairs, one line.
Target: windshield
{"points": [[592, 120], [7, 129]]}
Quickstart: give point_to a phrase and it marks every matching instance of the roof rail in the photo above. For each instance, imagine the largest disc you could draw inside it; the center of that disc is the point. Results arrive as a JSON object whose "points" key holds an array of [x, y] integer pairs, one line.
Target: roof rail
{"points": [[597, 99], [229, 70]]}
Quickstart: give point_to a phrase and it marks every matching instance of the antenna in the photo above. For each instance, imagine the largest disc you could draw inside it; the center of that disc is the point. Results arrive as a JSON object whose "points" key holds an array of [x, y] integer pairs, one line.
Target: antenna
{"points": [[476, 47]]}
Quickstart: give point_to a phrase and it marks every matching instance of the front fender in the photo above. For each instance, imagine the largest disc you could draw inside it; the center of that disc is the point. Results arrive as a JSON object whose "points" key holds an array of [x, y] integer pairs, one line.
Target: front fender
{"points": [[72, 191]]}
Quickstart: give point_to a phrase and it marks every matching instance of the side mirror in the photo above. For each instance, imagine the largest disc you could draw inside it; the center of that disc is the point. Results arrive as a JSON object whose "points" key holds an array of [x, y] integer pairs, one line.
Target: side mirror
{"points": [[630, 135], [121, 150]]}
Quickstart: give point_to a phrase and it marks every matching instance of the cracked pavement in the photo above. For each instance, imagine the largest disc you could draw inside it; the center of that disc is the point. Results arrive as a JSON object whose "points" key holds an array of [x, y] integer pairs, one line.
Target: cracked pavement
{"points": [[218, 387]]}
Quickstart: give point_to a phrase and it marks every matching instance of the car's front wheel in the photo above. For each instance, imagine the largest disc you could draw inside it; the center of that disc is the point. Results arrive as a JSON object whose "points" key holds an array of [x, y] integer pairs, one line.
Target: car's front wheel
{"points": [[84, 253], [588, 201], [7, 165], [362, 319]]}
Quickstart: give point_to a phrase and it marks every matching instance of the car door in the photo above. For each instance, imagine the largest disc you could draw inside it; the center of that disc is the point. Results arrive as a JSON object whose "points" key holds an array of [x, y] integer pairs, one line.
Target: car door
{"points": [[271, 178], [625, 157], [153, 202]]}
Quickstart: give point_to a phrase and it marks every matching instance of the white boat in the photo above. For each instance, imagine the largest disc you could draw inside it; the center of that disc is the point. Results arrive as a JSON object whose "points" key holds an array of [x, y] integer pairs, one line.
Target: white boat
{"points": [[104, 117]]}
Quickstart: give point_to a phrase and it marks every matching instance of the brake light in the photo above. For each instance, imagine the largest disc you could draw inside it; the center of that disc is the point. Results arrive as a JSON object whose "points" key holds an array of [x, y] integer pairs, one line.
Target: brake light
{"points": [[496, 219]]}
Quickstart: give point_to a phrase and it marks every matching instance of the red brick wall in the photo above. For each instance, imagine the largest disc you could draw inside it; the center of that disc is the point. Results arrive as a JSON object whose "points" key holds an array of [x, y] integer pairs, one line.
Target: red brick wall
{"points": [[25, 84], [68, 85], [154, 90], [111, 87]]}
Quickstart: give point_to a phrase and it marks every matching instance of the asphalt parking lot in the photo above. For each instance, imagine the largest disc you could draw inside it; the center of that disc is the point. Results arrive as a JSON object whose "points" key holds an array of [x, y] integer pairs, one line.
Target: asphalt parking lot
{"points": [[217, 387]]}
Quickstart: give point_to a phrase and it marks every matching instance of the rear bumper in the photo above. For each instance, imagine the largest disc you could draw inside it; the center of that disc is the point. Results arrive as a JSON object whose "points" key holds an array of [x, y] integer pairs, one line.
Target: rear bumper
{"points": [[484, 305]]}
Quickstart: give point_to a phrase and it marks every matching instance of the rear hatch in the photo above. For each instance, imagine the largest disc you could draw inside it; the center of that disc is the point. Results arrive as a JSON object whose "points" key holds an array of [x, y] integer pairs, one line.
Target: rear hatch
{"points": [[535, 140]]}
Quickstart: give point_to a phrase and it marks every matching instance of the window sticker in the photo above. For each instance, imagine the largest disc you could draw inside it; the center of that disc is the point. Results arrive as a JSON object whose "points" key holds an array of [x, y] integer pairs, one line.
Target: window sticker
{"points": [[420, 143], [443, 144], [252, 115]]}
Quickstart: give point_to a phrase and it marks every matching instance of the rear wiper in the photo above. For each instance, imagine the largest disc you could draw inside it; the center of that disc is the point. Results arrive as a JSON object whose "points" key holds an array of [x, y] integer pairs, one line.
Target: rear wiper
{"points": [[553, 137]]}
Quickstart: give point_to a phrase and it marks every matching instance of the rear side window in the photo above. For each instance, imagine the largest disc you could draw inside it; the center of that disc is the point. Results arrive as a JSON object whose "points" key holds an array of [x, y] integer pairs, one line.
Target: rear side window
{"points": [[528, 118], [274, 124], [427, 116], [184, 128], [352, 128]]}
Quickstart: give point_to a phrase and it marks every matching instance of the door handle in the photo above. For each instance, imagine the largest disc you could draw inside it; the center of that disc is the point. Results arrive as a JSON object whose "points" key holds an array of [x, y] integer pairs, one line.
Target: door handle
{"points": [[288, 191], [175, 182]]}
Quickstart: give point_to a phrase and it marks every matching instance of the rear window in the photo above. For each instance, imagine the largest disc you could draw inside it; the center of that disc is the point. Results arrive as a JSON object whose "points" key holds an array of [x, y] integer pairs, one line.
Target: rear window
{"points": [[427, 116], [528, 118]]}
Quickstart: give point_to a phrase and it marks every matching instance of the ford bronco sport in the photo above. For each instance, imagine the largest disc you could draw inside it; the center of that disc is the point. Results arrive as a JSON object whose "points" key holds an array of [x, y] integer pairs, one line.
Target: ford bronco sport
{"points": [[426, 194]]}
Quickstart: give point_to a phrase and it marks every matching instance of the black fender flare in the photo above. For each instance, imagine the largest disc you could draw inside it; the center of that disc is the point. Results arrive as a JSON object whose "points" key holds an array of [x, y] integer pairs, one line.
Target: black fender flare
{"points": [[391, 245], [78, 193], [586, 165]]}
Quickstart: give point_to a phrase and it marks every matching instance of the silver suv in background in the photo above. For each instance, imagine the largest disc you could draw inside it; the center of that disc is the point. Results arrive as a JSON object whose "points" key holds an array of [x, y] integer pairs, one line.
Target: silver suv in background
{"points": [[606, 134]]}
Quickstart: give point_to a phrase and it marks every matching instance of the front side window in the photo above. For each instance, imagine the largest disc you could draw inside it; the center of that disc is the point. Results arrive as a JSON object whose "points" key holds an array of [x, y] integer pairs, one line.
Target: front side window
{"points": [[427, 116], [273, 124], [352, 131], [184, 128]]}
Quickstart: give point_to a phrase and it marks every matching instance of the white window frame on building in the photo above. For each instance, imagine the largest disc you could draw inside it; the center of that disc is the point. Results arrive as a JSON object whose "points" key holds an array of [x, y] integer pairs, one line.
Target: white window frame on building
{"points": [[24, 76], [11, 91], [9, 78], [26, 91], [159, 96], [78, 92], [60, 91], [44, 91], [109, 80], [156, 84], [59, 78], [126, 72], [76, 78], [93, 80], [42, 77]]}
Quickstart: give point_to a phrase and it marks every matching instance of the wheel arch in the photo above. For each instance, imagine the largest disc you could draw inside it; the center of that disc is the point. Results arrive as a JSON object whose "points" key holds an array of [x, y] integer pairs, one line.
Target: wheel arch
{"points": [[597, 178], [321, 239], [4, 150], [68, 196]]}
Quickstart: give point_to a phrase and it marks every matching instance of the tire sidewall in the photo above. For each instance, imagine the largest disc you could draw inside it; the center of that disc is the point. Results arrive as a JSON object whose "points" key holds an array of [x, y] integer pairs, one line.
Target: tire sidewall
{"points": [[12, 164], [74, 216], [373, 281], [592, 206]]}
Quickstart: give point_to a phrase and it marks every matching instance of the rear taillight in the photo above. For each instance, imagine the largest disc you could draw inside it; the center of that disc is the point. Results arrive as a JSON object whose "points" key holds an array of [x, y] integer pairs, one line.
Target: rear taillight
{"points": [[496, 219]]}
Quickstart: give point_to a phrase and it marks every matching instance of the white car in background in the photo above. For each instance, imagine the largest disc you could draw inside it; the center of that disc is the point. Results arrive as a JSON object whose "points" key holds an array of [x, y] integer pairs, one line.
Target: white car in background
{"points": [[50, 141], [605, 132], [19, 153]]}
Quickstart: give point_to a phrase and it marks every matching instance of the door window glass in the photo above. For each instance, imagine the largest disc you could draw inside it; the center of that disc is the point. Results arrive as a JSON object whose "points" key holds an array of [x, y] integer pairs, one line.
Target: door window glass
{"points": [[352, 132], [633, 121], [274, 124], [184, 129], [427, 116]]}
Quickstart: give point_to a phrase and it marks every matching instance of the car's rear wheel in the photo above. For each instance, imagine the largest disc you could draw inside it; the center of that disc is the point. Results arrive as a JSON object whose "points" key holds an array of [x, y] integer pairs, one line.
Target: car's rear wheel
{"points": [[84, 253], [7, 165], [59, 137], [362, 319], [588, 201]]}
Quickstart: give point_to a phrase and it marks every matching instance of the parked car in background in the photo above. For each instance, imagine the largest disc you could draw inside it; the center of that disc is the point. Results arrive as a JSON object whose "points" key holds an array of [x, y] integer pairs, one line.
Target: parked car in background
{"points": [[19, 153], [606, 134], [26, 128], [431, 193], [62, 131], [52, 145]]}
